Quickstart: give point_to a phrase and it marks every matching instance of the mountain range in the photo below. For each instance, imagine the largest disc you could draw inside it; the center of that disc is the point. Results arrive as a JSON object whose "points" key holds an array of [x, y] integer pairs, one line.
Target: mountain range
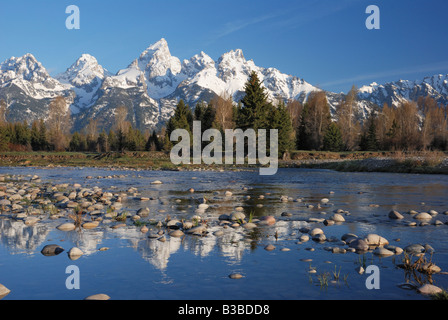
{"points": [[155, 81]]}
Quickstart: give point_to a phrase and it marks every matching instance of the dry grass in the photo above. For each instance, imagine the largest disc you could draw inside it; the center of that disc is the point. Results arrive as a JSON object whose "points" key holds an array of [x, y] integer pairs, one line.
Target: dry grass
{"points": [[77, 218], [419, 158], [418, 270]]}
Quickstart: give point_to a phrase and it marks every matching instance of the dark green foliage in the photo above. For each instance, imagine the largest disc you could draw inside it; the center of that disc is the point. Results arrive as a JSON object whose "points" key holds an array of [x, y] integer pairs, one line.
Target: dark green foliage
{"points": [[38, 135], [77, 143], [4, 139], [135, 141], [121, 142], [112, 141], [282, 122], [333, 138], [91, 143], [153, 143], [255, 112], [43, 142], [205, 114], [182, 119], [315, 120], [369, 140], [102, 142]]}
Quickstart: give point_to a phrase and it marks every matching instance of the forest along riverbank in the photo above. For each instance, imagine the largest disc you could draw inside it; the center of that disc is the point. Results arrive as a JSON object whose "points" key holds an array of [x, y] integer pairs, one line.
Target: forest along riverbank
{"points": [[248, 211], [413, 162], [400, 162]]}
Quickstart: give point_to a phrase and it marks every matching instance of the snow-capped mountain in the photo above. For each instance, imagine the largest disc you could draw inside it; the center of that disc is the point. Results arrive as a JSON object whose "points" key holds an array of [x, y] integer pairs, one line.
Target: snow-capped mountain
{"points": [[27, 88], [154, 81], [29, 75], [84, 77], [393, 93]]}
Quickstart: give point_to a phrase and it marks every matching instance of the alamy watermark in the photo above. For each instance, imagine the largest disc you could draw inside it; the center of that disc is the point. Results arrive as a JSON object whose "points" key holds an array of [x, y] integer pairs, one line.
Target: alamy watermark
{"points": [[373, 280], [73, 21], [73, 280], [213, 152], [373, 20]]}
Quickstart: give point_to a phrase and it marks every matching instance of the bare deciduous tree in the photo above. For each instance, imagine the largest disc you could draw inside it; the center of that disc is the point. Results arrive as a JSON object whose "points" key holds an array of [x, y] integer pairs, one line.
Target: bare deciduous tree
{"points": [[3, 112], [121, 114], [408, 125], [315, 120], [58, 123], [223, 106], [347, 119], [294, 108], [434, 124], [92, 129]]}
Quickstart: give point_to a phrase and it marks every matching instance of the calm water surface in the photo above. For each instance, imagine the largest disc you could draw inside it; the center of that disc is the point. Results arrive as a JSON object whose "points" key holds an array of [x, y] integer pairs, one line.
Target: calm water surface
{"points": [[136, 267]]}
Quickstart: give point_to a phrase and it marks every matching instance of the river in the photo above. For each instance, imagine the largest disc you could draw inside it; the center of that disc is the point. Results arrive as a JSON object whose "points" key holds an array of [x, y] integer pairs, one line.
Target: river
{"points": [[193, 267]]}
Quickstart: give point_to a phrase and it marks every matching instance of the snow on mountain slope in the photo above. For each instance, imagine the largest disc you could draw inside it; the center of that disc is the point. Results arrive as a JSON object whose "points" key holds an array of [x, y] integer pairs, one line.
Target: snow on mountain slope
{"points": [[230, 73], [85, 70], [155, 81], [395, 92], [156, 67], [30, 76], [84, 77]]}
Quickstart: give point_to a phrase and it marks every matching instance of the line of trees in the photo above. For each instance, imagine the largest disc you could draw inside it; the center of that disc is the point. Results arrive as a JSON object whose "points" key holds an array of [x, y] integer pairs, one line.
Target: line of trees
{"points": [[49, 135], [53, 134], [254, 111], [419, 125], [412, 125]]}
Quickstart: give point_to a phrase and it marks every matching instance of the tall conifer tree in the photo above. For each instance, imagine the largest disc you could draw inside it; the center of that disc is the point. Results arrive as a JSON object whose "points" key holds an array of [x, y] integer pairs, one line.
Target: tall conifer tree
{"points": [[255, 113]]}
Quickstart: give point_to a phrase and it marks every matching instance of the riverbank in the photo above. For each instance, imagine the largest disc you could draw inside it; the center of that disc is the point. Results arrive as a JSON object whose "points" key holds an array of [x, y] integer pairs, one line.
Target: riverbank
{"points": [[400, 162], [392, 162]]}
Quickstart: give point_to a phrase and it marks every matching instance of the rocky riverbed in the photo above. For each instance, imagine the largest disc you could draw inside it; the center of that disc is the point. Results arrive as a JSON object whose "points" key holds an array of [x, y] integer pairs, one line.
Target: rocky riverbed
{"points": [[233, 218]]}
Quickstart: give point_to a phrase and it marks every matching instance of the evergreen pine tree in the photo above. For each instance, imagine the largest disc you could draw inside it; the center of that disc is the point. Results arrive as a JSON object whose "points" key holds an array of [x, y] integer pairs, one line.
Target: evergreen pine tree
{"points": [[208, 117], [35, 142], [43, 142], [112, 141], [167, 145], [75, 142], [282, 122], [199, 110], [369, 140], [153, 143], [4, 139], [121, 142], [139, 139], [181, 119], [255, 113], [102, 142], [131, 139], [314, 121], [204, 113], [302, 136], [333, 138], [22, 133]]}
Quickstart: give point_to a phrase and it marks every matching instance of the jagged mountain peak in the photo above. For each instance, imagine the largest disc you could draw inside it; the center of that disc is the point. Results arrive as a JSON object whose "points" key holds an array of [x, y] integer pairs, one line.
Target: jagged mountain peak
{"points": [[392, 93], [85, 70], [233, 57], [153, 83], [157, 60], [197, 63], [161, 45], [30, 77], [25, 67], [27, 58], [236, 54]]}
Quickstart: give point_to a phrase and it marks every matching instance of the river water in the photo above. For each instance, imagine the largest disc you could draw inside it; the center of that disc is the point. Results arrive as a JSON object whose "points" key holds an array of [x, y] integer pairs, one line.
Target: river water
{"points": [[192, 267]]}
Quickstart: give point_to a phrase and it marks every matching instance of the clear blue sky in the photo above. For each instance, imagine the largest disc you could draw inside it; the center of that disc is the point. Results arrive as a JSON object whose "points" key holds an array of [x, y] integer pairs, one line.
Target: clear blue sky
{"points": [[324, 42]]}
